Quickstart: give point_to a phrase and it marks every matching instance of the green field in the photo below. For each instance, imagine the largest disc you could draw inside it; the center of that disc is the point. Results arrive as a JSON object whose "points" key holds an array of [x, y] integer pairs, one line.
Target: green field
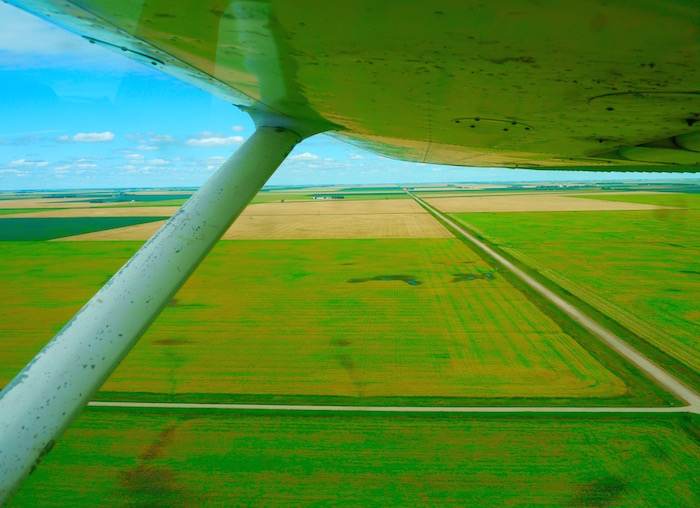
{"points": [[299, 320], [425, 322], [32, 230], [147, 458], [11, 211], [641, 268]]}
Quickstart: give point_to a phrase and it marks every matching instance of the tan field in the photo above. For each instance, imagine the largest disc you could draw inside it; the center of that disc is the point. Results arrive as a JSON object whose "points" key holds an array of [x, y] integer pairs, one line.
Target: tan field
{"points": [[397, 218], [142, 211], [531, 203], [339, 207]]}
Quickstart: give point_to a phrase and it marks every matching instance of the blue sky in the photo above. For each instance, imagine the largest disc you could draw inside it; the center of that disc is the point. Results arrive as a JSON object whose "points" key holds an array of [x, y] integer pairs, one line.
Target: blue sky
{"points": [[75, 115]]}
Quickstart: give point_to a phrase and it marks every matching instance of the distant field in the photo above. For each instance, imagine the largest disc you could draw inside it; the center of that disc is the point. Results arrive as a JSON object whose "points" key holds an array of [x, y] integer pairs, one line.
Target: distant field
{"points": [[146, 458], [528, 202], [31, 229], [13, 211], [298, 220], [277, 197], [102, 211], [641, 267], [337, 318]]}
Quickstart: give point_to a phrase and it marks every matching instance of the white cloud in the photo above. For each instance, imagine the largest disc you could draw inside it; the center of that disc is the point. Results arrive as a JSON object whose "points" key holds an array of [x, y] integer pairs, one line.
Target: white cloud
{"points": [[146, 148], [158, 162], [88, 137], [134, 156], [28, 164], [356, 156], [305, 156], [207, 139], [237, 128], [162, 138], [13, 172]]}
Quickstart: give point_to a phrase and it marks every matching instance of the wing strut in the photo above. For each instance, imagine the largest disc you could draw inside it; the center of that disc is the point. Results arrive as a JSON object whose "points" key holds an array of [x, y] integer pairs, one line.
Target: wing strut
{"points": [[39, 404]]}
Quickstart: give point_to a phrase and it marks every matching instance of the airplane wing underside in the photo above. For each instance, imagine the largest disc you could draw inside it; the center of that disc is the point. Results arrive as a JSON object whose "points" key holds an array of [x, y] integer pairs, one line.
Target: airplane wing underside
{"points": [[584, 84]]}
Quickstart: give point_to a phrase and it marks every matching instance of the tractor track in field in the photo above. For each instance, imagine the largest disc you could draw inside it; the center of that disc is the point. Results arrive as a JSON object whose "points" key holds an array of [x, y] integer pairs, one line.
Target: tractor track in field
{"points": [[650, 368]]}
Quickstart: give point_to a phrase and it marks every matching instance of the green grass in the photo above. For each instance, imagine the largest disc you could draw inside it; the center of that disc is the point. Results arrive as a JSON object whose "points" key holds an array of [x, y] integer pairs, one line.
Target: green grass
{"points": [[11, 211], [639, 267], [32, 230], [121, 457], [679, 200], [265, 321]]}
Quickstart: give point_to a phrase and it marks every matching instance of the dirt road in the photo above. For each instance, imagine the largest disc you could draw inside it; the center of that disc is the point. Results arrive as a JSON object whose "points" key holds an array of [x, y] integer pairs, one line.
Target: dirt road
{"points": [[651, 369]]}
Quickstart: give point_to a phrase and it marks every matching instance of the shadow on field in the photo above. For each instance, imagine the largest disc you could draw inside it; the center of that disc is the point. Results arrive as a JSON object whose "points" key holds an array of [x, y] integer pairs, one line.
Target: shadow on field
{"points": [[408, 279], [460, 277]]}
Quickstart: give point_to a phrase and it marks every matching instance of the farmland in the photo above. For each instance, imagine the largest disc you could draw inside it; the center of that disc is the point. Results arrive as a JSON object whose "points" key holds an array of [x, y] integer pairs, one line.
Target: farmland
{"points": [[461, 331], [135, 457], [300, 220], [29, 229], [366, 302], [645, 276]]}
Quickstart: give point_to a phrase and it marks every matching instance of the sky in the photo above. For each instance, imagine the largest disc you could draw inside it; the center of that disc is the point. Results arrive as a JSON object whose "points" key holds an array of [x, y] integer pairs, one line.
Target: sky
{"points": [[74, 115]]}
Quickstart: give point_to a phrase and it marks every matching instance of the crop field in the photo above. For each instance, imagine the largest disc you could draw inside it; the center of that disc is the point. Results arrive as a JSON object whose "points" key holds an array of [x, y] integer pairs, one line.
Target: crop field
{"points": [[530, 202], [67, 213], [640, 267], [369, 301], [300, 220], [130, 457], [336, 318], [30, 229]]}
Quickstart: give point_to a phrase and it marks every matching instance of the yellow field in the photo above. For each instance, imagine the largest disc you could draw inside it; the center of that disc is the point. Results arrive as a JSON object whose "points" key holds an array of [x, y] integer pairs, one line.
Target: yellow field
{"points": [[530, 203], [469, 337], [396, 218], [338, 207], [314, 318]]}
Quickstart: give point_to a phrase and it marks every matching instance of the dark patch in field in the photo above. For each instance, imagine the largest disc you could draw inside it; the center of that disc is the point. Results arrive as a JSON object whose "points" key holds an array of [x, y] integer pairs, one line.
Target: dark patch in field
{"points": [[408, 279], [347, 264], [157, 448], [460, 277], [170, 342], [601, 492], [151, 485], [341, 342], [172, 303], [347, 363], [690, 272]]}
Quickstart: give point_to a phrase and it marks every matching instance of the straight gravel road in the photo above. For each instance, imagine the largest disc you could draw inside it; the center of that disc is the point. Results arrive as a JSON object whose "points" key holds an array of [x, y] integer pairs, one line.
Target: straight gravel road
{"points": [[651, 369]]}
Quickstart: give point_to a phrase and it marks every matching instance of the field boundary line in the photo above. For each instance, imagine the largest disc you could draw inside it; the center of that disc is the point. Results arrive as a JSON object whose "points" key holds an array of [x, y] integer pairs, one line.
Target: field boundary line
{"points": [[390, 409], [650, 368]]}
